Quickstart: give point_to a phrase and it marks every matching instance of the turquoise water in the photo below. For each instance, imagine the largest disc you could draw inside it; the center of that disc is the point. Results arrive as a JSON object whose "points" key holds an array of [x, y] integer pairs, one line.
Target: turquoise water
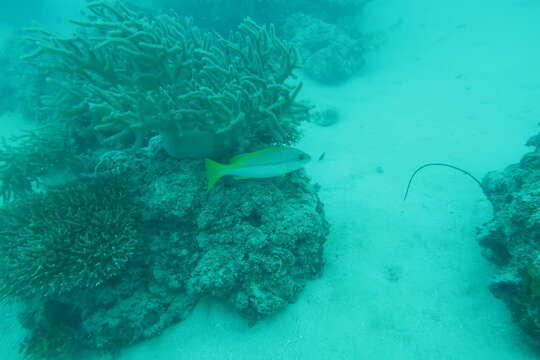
{"points": [[421, 82]]}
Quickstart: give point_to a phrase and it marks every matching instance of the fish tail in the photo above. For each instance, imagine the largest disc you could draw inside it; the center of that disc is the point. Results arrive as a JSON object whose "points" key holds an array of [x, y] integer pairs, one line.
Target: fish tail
{"points": [[214, 172]]}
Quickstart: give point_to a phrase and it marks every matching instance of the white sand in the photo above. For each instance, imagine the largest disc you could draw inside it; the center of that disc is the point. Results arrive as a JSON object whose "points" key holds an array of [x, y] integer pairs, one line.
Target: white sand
{"points": [[455, 81]]}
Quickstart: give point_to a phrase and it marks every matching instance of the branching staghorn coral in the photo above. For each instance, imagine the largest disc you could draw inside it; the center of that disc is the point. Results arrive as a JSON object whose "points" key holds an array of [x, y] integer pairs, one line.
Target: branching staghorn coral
{"points": [[126, 72], [28, 158], [222, 15], [76, 236]]}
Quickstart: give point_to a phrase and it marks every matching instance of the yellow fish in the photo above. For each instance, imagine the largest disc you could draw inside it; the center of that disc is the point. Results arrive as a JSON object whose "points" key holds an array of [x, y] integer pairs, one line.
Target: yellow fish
{"points": [[270, 162]]}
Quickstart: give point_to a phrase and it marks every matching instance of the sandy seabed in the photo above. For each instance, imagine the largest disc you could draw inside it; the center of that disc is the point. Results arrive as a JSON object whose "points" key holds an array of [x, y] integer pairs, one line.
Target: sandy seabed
{"points": [[451, 81]]}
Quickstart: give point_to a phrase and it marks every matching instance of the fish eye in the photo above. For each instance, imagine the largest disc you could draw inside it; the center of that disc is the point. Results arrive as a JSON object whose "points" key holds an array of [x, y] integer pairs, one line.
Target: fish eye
{"points": [[302, 157]]}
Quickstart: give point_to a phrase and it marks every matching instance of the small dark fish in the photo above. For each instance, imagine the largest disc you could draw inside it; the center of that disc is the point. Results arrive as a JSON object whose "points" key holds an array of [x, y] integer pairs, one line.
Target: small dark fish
{"points": [[322, 156]]}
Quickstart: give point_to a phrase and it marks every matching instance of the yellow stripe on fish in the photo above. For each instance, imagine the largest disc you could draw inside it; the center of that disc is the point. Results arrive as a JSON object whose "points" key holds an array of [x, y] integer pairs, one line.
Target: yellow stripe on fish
{"points": [[270, 162]]}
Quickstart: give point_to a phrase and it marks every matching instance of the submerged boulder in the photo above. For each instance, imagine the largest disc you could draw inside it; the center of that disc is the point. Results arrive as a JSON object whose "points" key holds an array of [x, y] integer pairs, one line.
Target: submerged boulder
{"points": [[329, 54], [512, 239], [251, 244]]}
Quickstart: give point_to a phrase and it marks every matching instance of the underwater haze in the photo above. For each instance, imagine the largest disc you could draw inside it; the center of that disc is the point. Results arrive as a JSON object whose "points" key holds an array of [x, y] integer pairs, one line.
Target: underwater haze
{"points": [[115, 245]]}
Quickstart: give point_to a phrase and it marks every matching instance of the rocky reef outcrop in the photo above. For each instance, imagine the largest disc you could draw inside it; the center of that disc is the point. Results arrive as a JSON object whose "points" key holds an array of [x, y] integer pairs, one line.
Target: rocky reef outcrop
{"points": [[512, 239], [107, 260], [108, 237]]}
